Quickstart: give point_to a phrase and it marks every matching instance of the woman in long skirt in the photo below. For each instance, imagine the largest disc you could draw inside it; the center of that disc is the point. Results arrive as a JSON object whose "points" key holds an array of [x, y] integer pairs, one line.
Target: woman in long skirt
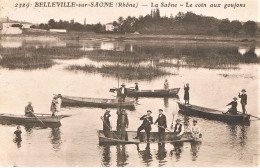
{"points": [[186, 94]]}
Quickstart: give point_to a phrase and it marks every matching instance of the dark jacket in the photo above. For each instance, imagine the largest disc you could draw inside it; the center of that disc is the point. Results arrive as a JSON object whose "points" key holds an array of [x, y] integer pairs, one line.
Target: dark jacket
{"points": [[120, 92], [106, 119], [161, 121], [233, 109], [136, 87], [243, 98], [122, 120], [147, 121], [177, 129]]}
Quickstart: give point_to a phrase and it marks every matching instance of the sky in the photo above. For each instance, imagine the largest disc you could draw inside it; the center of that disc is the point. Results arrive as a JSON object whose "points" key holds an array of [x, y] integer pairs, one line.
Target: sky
{"points": [[93, 15]]}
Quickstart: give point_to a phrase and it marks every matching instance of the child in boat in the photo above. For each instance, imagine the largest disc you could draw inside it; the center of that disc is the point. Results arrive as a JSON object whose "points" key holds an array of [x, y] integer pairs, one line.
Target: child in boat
{"points": [[195, 130]]}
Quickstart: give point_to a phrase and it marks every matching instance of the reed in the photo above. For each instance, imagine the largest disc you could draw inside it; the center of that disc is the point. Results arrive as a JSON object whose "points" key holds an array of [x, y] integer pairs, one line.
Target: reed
{"points": [[124, 72]]}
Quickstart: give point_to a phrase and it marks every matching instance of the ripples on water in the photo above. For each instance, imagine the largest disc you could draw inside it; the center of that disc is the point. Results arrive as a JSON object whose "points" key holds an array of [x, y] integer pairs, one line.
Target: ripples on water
{"points": [[75, 141]]}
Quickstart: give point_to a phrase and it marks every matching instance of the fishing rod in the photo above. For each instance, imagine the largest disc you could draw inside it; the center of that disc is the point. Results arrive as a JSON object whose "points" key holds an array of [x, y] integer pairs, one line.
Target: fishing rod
{"points": [[101, 117], [156, 124]]}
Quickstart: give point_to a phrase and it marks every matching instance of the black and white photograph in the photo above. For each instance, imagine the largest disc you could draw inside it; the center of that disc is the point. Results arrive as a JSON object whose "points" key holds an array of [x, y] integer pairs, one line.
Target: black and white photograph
{"points": [[137, 83]]}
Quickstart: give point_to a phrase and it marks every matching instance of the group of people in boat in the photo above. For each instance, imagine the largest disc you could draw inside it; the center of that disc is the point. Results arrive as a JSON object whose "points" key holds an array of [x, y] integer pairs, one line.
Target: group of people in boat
{"points": [[147, 120], [243, 100], [55, 107]]}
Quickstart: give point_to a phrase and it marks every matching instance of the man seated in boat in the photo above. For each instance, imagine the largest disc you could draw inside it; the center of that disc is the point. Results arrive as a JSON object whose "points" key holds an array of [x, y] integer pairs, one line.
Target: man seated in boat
{"points": [[166, 85], [122, 93], [195, 130], [29, 110], [122, 124], [233, 109], [178, 130], [106, 124], [146, 125], [162, 125], [136, 86]]}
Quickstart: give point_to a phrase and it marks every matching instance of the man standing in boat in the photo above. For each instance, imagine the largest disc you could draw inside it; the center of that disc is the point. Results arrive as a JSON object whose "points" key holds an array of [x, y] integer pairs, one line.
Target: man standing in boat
{"points": [[136, 86], [53, 105], [58, 105], [122, 124], [233, 109], [106, 124], [186, 94], [162, 124], [243, 100], [29, 110], [146, 125], [166, 85], [122, 92]]}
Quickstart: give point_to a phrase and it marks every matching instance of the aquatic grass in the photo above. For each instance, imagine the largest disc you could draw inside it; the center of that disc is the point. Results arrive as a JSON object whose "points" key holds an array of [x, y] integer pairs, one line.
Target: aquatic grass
{"points": [[33, 58], [124, 72], [26, 62]]}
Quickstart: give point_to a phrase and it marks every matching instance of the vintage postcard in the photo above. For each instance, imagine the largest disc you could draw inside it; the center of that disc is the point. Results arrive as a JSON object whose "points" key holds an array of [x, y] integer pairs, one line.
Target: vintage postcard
{"points": [[138, 83]]}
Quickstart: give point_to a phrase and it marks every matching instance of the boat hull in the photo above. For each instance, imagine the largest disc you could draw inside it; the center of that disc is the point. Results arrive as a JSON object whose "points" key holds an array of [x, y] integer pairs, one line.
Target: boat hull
{"points": [[151, 93], [100, 103], [170, 137], [24, 119], [211, 113]]}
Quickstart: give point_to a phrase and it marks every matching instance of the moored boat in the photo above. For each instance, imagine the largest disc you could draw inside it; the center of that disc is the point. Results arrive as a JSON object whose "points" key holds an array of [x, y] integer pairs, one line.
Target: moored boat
{"points": [[170, 137], [24, 119], [151, 93], [96, 102], [212, 113]]}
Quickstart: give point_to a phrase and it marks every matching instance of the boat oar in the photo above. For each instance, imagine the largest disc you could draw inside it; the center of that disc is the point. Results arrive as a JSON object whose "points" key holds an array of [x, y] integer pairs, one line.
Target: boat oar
{"points": [[39, 120], [255, 117], [163, 128]]}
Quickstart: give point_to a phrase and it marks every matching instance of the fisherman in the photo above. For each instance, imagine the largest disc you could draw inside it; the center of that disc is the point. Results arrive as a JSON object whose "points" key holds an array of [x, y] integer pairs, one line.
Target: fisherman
{"points": [[123, 92], [243, 100], [233, 109], [178, 130], [18, 133], [136, 86], [122, 124], [186, 94], [162, 124], [29, 110], [195, 130], [106, 124], [53, 106], [166, 85], [146, 125]]}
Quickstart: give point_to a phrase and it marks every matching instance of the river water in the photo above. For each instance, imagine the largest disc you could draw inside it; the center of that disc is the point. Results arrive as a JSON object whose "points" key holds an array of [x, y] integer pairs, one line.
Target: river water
{"points": [[75, 142]]}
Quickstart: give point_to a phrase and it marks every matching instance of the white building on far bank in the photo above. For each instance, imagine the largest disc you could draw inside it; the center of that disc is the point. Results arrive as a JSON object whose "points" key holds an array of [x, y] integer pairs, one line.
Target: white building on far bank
{"points": [[109, 27]]}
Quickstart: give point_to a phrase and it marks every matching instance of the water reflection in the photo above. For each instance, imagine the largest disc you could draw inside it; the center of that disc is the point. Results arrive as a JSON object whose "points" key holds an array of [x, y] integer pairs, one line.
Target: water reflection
{"points": [[161, 154], [146, 154], [106, 158], [55, 138], [195, 147], [178, 147], [238, 134], [122, 156]]}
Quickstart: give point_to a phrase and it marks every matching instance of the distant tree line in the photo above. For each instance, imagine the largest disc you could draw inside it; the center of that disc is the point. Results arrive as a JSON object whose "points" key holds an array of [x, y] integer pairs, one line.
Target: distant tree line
{"points": [[153, 23], [70, 26]]}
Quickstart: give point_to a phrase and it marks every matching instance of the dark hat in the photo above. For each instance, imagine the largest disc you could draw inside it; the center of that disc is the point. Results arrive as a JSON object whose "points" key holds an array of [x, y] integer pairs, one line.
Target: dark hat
{"points": [[136, 82], [178, 120], [107, 110], [160, 110], [195, 121], [234, 98], [243, 90], [122, 84], [149, 111]]}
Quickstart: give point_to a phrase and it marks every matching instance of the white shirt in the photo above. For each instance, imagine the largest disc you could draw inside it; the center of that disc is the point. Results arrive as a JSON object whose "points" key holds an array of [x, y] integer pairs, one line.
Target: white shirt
{"points": [[123, 90], [195, 129]]}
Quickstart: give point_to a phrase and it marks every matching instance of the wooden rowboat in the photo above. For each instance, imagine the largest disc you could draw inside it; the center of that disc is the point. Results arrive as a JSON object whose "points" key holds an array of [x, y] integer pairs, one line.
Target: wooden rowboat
{"points": [[170, 137], [151, 93], [96, 102], [212, 113], [45, 118]]}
